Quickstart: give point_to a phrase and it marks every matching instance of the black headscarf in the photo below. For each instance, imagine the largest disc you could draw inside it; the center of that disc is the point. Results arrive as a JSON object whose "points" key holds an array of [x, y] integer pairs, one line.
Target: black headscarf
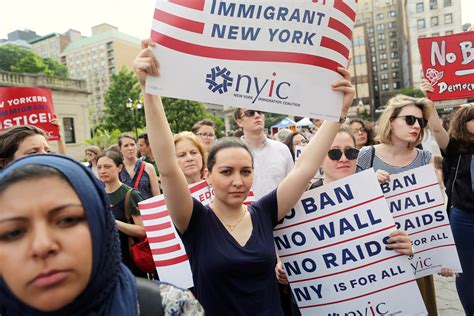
{"points": [[112, 288]]}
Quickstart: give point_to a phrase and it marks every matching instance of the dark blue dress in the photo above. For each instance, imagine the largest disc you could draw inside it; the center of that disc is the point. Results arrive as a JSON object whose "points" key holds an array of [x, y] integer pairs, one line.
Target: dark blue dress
{"points": [[230, 279]]}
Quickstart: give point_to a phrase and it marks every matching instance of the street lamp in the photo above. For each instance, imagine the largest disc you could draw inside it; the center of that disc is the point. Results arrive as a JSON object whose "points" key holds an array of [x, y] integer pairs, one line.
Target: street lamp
{"points": [[134, 106]]}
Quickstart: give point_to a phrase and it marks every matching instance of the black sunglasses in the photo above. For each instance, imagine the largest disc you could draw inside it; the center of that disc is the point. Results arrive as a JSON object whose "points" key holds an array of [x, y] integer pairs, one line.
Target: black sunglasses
{"points": [[250, 113], [411, 119], [350, 153]]}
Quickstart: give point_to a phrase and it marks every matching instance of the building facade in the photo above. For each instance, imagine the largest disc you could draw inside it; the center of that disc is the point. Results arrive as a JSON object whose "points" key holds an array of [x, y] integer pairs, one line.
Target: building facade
{"points": [[53, 44], [387, 46], [429, 18], [96, 58], [70, 105]]}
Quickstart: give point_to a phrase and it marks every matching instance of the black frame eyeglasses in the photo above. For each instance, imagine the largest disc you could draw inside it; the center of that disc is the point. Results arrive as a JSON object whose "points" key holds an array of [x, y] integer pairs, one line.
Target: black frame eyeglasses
{"points": [[411, 119], [350, 153], [250, 113]]}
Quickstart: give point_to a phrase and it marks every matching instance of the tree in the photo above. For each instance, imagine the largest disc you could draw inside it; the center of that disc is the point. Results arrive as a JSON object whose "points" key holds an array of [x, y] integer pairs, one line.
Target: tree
{"points": [[11, 55], [56, 67], [123, 87], [182, 114], [31, 64], [412, 92]]}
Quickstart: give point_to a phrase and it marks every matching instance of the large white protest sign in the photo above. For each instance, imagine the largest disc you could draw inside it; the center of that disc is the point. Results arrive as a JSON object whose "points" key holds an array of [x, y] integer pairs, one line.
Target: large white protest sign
{"points": [[274, 56], [417, 205], [333, 248], [169, 254]]}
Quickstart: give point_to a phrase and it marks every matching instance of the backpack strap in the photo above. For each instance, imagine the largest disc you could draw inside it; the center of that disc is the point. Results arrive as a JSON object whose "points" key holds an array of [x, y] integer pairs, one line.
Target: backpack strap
{"points": [[127, 215], [149, 298], [140, 174]]}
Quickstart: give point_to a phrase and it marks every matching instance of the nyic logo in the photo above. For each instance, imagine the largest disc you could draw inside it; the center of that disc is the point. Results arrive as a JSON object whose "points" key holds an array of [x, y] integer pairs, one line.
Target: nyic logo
{"points": [[221, 80], [370, 310]]}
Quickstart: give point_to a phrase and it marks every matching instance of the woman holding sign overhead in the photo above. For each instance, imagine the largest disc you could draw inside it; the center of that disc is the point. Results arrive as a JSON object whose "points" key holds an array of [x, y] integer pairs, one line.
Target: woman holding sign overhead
{"points": [[230, 245], [400, 129], [457, 146]]}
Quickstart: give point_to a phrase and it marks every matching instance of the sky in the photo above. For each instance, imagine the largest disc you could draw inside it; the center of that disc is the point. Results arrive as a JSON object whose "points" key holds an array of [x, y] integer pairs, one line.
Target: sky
{"points": [[132, 17]]}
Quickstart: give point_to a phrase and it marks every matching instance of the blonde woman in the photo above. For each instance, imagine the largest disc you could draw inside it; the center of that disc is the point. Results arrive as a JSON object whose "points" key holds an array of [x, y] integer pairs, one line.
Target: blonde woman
{"points": [[191, 156]]}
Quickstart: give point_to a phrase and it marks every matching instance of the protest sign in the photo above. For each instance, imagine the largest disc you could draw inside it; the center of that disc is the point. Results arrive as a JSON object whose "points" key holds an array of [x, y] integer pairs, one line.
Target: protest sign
{"points": [[448, 63], [27, 106], [278, 57], [169, 254], [417, 205], [333, 248]]}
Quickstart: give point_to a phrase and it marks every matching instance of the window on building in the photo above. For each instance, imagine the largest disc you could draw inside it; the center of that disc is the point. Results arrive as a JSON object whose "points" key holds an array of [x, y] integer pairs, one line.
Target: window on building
{"points": [[395, 74], [374, 59], [448, 18], [447, 3], [372, 49], [360, 59], [384, 76], [358, 41], [420, 24], [434, 21], [394, 54], [374, 68], [370, 29], [382, 46], [381, 36], [366, 6], [382, 56], [376, 88], [380, 26], [385, 86], [69, 131], [393, 44], [393, 34], [396, 85], [379, 16], [433, 4], [420, 7], [449, 32], [392, 14], [383, 66]]}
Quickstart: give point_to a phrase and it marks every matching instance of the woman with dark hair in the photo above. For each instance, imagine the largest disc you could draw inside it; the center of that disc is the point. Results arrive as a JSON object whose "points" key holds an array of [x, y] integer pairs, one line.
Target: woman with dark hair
{"points": [[230, 246], [91, 156], [457, 146], [136, 173], [20, 141], [205, 130], [109, 165], [362, 132], [61, 256], [293, 140]]}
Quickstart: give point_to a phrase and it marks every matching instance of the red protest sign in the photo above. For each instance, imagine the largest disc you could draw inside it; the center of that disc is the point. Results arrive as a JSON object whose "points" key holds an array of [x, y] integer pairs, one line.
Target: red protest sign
{"points": [[27, 106], [448, 63]]}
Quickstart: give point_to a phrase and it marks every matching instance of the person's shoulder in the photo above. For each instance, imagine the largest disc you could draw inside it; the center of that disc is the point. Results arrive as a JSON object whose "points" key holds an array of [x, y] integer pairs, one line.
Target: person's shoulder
{"points": [[365, 151]]}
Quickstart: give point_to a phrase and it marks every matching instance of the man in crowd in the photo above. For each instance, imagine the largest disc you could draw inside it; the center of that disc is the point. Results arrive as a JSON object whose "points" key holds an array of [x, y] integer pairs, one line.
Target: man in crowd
{"points": [[145, 151], [272, 159]]}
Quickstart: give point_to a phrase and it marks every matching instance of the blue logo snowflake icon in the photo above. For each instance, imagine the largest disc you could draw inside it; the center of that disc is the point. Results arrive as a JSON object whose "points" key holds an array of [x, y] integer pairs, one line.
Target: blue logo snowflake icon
{"points": [[219, 80]]}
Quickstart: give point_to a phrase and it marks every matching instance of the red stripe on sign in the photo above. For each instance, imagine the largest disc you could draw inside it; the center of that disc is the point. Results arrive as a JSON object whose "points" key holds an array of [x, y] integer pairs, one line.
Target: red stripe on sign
{"points": [[416, 189], [151, 205], [442, 246], [340, 27], [344, 8], [247, 55], [179, 22], [431, 228], [158, 215], [423, 209], [165, 250], [200, 186], [170, 262], [335, 46], [192, 4], [167, 237], [157, 227]]}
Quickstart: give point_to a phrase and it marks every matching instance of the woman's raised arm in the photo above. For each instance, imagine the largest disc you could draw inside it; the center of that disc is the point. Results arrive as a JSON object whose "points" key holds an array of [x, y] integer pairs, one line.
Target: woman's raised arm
{"points": [[175, 187], [295, 183]]}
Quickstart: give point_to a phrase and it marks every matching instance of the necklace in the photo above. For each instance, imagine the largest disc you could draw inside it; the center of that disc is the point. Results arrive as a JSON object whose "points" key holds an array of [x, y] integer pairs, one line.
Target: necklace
{"points": [[228, 226]]}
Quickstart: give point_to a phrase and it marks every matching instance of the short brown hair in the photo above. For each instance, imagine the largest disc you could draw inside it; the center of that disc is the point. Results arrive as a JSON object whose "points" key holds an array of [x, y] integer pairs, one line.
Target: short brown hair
{"points": [[201, 123], [394, 107], [125, 135], [237, 114]]}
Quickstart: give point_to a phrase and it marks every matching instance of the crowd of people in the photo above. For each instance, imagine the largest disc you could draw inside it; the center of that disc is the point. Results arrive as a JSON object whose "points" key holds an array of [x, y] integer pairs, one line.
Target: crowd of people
{"points": [[72, 235]]}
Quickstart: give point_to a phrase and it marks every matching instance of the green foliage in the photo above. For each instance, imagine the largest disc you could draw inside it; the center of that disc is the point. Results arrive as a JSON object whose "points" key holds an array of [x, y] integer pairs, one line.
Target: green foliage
{"points": [[103, 138], [123, 86], [364, 114], [18, 59], [182, 114], [272, 118], [31, 64], [56, 67], [11, 55], [412, 92], [219, 127]]}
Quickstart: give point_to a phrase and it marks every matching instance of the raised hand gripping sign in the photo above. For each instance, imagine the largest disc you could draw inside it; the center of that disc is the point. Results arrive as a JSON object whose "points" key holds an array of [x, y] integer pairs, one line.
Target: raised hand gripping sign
{"points": [[333, 248], [448, 63], [274, 56], [417, 205]]}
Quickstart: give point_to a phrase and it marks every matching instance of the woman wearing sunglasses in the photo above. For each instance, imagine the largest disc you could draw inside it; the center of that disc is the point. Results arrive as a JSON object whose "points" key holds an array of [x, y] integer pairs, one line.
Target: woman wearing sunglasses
{"points": [[400, 129]]}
